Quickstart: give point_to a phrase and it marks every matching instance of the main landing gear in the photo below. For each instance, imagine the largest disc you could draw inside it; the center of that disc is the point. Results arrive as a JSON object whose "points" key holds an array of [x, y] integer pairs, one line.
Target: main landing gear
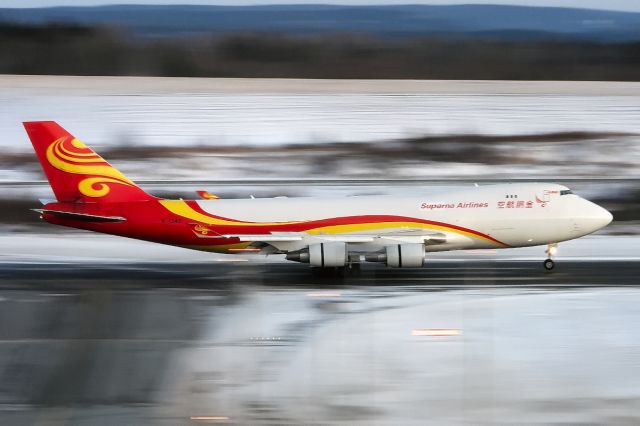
{"points": [[552, 249]]}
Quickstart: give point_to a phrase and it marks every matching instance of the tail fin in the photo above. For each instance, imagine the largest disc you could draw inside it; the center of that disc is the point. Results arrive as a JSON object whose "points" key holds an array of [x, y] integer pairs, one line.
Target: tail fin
{"points": [[75, 172]]}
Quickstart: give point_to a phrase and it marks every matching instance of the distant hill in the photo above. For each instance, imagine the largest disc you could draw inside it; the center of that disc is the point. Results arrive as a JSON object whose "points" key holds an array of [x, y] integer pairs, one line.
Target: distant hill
{"points": [[482, 21]]}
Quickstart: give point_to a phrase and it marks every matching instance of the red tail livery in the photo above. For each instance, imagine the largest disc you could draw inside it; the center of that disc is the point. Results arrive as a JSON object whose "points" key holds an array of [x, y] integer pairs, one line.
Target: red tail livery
{"points": [[76, 173]]}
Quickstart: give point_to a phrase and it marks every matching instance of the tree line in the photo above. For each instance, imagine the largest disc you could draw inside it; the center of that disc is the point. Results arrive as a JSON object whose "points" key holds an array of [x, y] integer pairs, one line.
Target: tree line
{"points": [[81, 50]]}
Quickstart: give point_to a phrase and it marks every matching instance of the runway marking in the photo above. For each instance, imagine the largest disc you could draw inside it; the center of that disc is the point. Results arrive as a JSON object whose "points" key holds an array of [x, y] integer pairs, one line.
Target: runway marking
{"points": [[436, 332], [461, 278], [475, 268], [324, 294], [58, 294], [209, 419]]}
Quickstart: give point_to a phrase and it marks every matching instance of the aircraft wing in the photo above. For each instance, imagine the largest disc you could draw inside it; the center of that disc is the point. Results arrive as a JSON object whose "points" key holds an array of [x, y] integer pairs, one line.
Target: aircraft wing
{"points": [[402, 235], [300, 236]]}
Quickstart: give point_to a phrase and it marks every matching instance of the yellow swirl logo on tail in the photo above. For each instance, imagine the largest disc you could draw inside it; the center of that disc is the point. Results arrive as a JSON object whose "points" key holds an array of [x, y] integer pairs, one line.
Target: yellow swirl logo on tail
{"points": [[74, 157]]}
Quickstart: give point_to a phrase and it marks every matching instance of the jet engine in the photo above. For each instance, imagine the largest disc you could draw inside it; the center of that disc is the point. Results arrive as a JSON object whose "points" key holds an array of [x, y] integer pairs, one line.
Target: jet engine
{"points": [[400, 256], [328, 254], [323, 255]]}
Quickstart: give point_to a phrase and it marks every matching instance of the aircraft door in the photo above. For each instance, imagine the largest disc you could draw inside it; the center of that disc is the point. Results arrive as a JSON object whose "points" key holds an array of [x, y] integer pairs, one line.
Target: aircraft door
{"points": [[543, 197]]}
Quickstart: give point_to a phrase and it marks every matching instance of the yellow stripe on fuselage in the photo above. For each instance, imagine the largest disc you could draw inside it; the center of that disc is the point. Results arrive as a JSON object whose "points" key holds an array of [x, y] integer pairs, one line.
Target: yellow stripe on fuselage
{"points": [[359, 227], [181, 208]]}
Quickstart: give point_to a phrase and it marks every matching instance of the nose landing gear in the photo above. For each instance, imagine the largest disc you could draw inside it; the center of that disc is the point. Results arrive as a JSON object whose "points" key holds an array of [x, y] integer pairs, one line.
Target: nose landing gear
{"points": [[549, 264]]}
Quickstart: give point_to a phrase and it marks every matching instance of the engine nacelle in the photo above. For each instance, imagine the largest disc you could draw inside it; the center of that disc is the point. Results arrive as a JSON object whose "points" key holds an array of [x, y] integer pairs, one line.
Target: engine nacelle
{"points": [[301, 256], [327, 255], [405, 255]]}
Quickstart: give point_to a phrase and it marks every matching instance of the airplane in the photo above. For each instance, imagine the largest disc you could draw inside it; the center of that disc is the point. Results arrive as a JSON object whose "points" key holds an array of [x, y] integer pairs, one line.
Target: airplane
{"points": [[323, 232]]}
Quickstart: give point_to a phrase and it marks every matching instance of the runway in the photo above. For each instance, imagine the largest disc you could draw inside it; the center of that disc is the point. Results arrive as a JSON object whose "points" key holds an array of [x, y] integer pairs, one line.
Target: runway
{"points": [[171, 343], [221, 276]]}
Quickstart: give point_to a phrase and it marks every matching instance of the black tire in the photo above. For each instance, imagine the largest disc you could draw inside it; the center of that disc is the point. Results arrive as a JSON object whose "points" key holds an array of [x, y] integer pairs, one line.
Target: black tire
{"points": [[549, 264]]}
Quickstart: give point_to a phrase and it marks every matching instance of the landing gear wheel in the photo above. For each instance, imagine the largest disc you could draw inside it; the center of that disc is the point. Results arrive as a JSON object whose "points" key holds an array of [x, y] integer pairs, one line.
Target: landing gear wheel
{"points": [[549, 264]]}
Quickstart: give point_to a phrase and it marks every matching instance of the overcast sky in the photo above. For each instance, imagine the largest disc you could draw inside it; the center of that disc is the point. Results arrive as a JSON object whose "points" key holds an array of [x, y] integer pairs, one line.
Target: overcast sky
{"points": [[628, 5]]}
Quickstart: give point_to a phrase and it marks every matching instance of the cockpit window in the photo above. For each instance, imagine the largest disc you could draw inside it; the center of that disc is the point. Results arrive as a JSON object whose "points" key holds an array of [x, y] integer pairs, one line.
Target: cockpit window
{"points": [[566, 192]]}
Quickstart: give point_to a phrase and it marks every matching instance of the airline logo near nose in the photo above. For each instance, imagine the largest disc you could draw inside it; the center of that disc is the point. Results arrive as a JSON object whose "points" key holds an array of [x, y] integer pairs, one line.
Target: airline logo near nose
{"points": [[515, 204], [506, 204]]}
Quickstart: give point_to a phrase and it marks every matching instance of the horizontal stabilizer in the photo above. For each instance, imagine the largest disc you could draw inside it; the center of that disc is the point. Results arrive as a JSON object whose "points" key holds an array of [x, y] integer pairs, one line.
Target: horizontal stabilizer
{"points": [[81, 216], [205, 195]]}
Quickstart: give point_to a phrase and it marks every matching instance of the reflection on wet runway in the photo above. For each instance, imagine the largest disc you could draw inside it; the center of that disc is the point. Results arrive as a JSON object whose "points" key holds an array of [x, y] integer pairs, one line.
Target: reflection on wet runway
{"points": [[180, 343]]}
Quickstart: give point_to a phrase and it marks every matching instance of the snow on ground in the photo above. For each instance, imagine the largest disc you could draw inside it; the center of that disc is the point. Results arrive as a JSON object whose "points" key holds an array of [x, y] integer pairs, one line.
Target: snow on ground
{"points": [[171, 112]]}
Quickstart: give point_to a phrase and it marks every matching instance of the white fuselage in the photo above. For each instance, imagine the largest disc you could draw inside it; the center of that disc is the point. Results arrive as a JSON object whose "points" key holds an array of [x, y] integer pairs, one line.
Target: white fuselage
{"points": [[510, 215]]}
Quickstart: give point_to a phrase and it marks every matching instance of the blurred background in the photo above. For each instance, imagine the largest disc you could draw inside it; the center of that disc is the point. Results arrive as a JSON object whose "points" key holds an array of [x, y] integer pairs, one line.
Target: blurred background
{"points": [[362, 97]]}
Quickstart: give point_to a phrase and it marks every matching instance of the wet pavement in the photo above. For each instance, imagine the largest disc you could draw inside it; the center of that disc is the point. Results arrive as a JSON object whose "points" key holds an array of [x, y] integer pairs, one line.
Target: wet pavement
{"points": [[479, 342]]}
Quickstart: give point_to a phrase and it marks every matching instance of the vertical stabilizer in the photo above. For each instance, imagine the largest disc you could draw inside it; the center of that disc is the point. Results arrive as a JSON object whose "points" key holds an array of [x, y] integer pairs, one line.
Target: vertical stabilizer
{"points": [[75, 172]]}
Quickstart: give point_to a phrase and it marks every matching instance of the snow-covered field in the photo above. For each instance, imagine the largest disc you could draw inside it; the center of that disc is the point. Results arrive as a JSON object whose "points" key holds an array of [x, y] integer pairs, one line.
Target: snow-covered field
{"points": [[340, 128], [174, 111]]}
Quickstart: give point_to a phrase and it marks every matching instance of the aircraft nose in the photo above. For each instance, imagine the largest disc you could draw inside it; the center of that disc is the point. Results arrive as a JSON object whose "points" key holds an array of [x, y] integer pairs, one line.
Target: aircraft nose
{"points": [[593, 217], [605, 217]]}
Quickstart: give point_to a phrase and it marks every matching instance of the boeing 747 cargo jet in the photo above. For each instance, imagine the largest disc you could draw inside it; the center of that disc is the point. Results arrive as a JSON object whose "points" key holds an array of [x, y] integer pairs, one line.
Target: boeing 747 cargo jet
{"points": [[324, 232]]}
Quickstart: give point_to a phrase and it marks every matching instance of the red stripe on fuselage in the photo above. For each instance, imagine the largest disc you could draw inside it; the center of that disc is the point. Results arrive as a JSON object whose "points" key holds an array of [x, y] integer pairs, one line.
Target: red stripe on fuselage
{"points": [[320, 223], [149, 220]]}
